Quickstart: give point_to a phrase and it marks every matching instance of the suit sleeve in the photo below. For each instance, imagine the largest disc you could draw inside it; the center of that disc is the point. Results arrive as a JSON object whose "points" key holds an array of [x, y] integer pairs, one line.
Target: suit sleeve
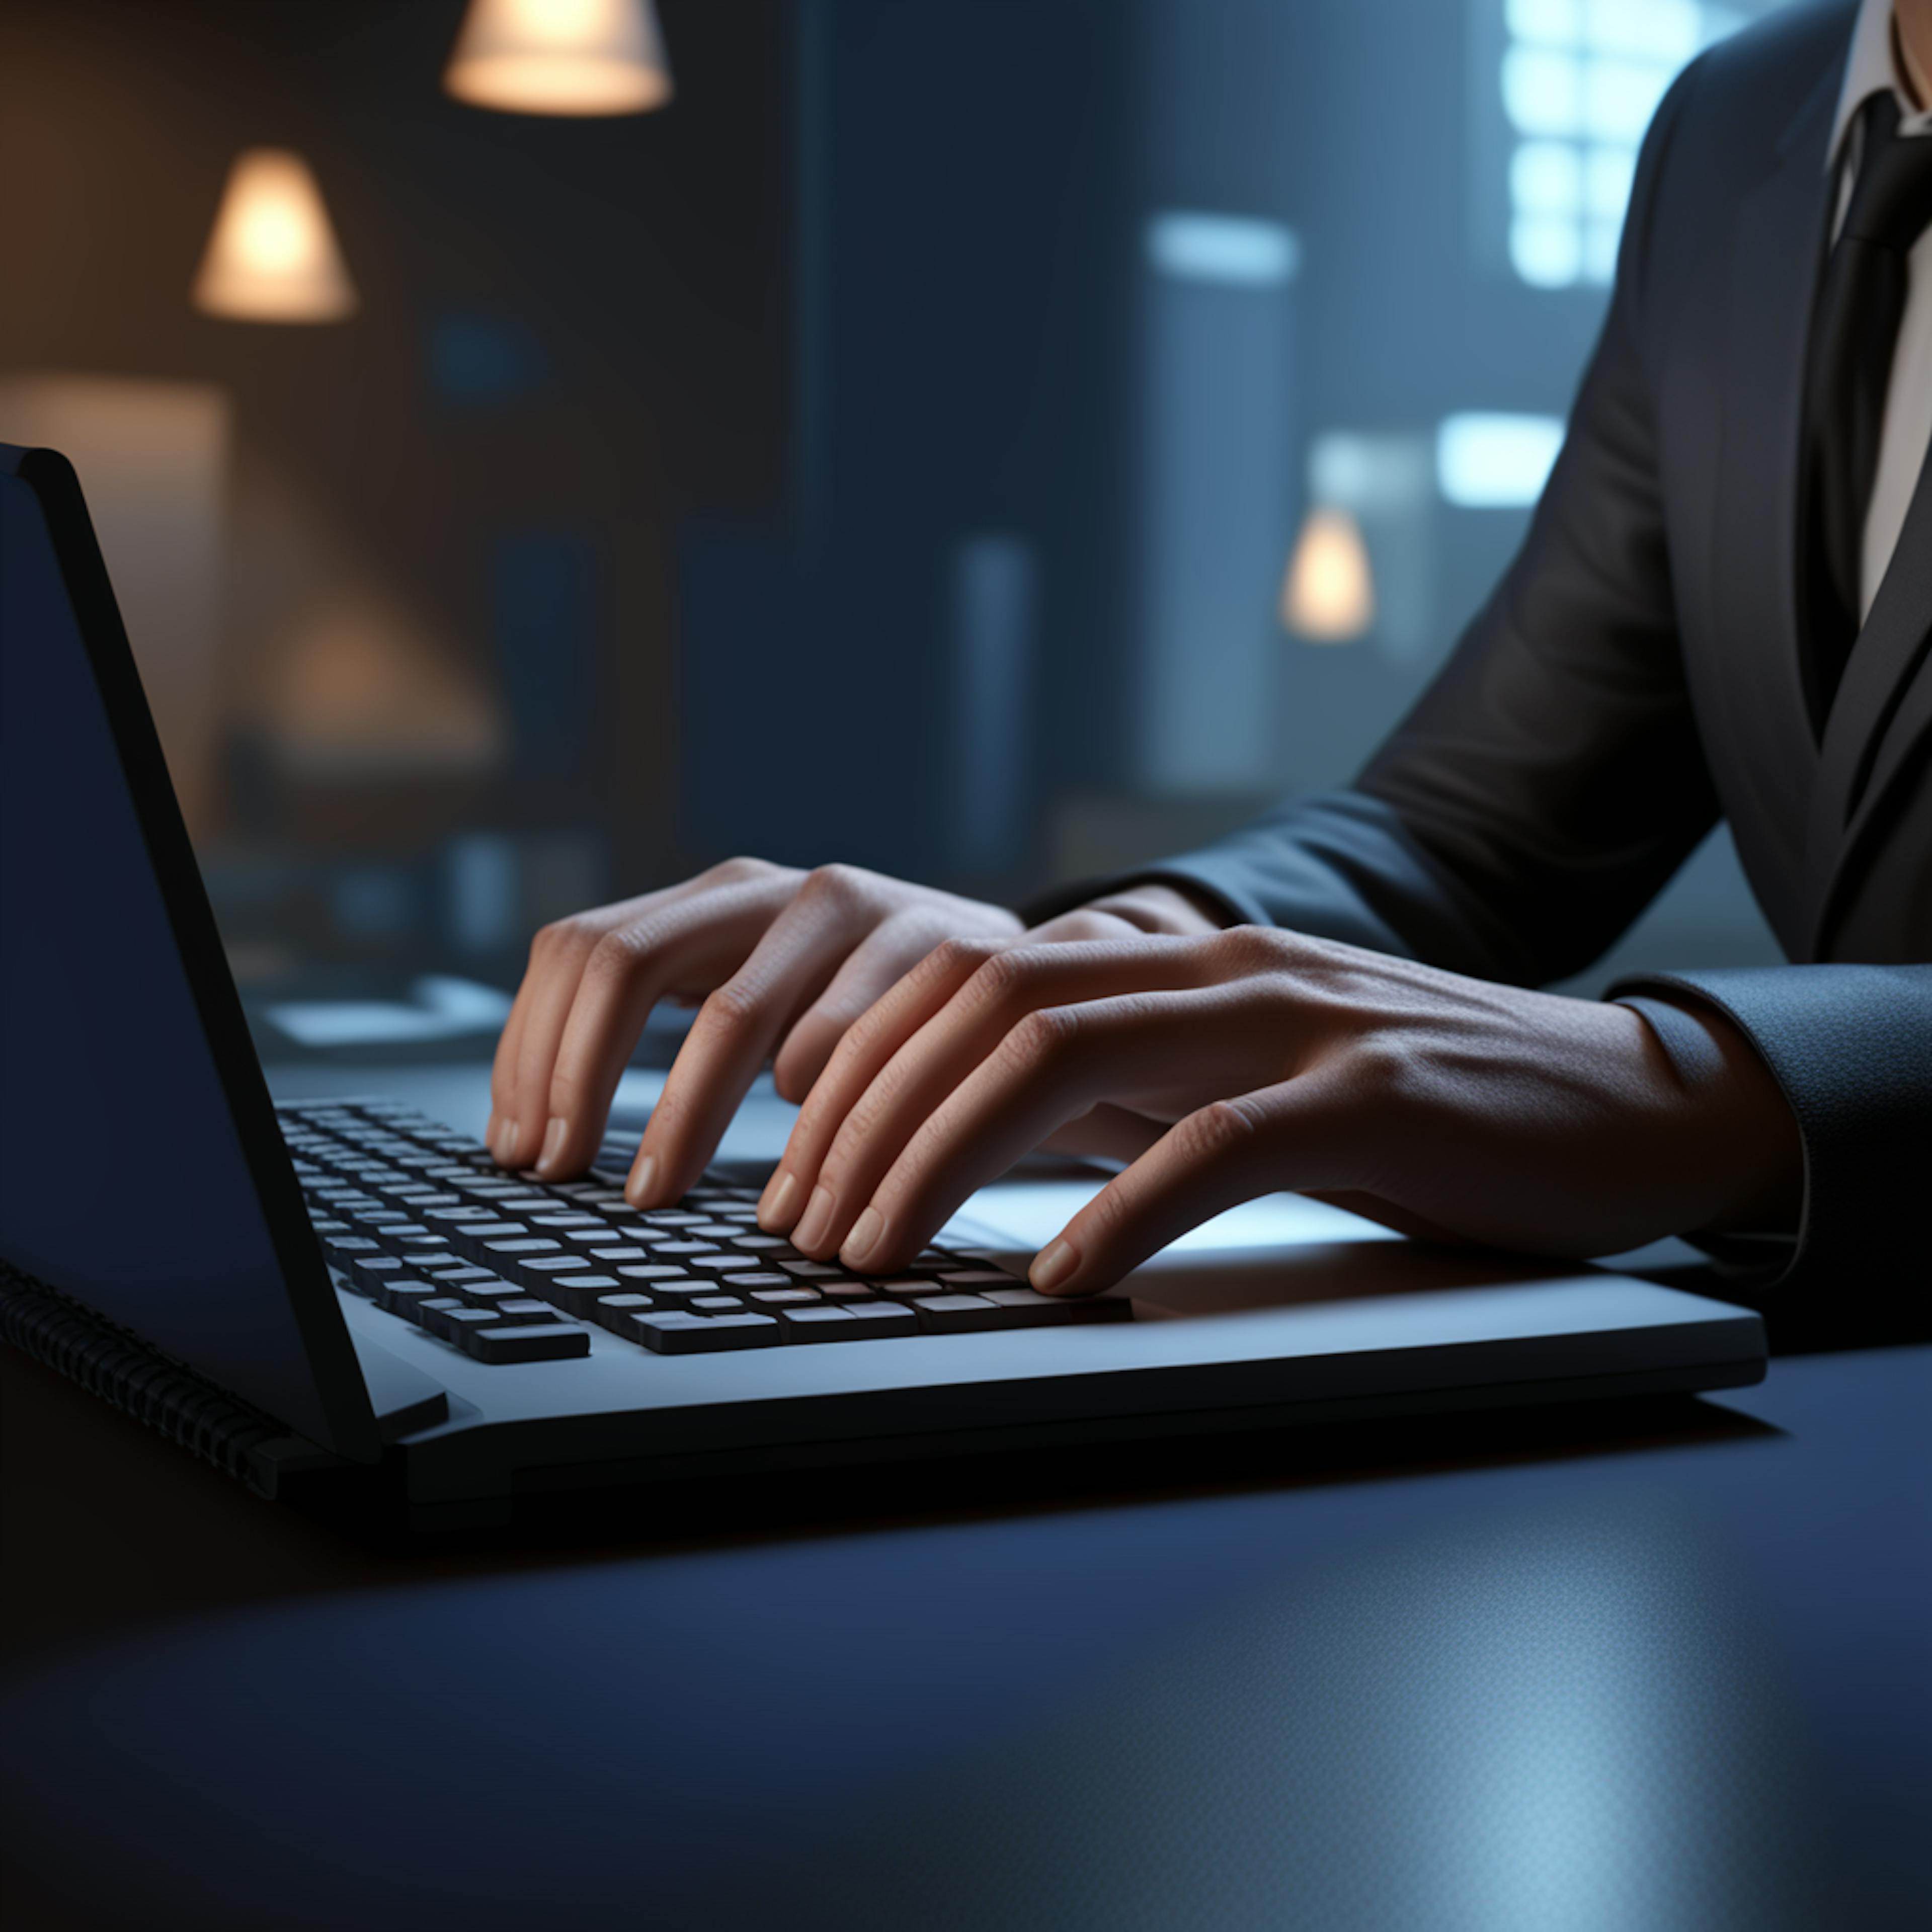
{"points": [[1848, 1045], [1550, 780]]}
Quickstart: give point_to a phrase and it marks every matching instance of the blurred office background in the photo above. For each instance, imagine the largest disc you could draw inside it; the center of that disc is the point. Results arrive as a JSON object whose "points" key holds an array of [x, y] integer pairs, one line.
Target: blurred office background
{"points": [[991, 440]]}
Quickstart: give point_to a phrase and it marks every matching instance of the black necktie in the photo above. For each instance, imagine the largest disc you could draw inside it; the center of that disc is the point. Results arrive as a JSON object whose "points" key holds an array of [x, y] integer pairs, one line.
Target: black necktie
{"points": [[1853, 335]]}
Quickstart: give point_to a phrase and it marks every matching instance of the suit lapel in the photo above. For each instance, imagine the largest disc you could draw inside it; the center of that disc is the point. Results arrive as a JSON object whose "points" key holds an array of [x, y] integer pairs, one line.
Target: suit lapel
{"points": [[1882, 712], [1778, 242]]}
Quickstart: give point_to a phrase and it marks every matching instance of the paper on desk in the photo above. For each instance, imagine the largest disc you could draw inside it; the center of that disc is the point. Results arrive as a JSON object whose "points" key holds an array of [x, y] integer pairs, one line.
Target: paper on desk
{"points": [[443, 1008]]}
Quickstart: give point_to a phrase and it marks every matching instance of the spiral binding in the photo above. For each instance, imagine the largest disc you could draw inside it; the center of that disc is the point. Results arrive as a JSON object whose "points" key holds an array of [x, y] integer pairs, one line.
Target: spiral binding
{"points": [[118, 1367]]}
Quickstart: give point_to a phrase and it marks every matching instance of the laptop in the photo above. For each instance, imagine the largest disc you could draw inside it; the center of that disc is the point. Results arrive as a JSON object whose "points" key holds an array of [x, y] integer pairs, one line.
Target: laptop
{"points": [[349, 1283]]}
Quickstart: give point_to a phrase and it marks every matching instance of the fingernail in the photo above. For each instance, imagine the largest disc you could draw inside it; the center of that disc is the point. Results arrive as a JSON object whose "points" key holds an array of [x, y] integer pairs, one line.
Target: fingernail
{"points": [[504, 1147], [816, 1219], [775, 1204], [555, 1134], [644, 1177], [1052, 1266], [491, 1130], [863, 1238]]}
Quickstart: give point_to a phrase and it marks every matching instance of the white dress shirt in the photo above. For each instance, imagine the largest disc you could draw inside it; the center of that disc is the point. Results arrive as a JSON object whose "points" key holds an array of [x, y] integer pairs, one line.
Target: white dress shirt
{"points": [[1906, 430]]}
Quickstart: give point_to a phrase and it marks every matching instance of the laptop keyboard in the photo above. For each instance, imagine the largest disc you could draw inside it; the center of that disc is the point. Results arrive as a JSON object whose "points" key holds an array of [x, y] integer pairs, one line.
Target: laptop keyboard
{"points": [[508, 1268]]}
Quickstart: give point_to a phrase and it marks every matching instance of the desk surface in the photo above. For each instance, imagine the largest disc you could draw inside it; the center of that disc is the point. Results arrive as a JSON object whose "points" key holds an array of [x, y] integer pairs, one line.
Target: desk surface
{"points": [[1656, 1668], [1672, 1677]]}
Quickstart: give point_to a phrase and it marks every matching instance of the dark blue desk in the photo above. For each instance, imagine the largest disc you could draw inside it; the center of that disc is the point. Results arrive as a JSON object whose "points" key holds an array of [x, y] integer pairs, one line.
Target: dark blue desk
{"points": [[1670, 1673]]}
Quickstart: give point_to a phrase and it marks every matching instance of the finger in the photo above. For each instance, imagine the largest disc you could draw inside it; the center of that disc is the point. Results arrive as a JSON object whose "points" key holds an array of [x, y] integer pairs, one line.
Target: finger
{"points": [[557, 958], [1294, 1135], [863, 1052], [878, 965], [737, 1027], [1055, 1065], [696, 939], [503, 1067], [843, 1144]]}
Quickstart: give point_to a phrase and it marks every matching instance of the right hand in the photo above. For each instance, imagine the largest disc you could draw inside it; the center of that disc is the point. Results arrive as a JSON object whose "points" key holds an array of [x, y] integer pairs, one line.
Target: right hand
{"points": [[783, 962]]}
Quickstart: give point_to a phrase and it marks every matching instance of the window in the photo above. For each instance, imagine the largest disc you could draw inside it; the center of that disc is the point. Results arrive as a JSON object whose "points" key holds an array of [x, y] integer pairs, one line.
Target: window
{"points": [[1580, 81]]}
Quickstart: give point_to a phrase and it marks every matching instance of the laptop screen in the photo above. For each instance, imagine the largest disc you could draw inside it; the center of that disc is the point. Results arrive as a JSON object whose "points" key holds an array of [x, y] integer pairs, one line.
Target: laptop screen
{"points": [[124, 1181]]}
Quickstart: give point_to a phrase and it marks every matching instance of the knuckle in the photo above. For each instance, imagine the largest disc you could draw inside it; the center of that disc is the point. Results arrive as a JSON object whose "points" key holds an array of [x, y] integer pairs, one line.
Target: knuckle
{"points": [[836, 885], [1253, 949], [1213, 1132], [616, 955], [1042, 1035], [731, 1008], [738, 871]]}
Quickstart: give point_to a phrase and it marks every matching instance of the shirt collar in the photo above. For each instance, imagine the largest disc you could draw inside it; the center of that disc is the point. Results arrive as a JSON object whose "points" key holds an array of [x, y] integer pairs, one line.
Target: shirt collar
{"points": [[1872, 69]]}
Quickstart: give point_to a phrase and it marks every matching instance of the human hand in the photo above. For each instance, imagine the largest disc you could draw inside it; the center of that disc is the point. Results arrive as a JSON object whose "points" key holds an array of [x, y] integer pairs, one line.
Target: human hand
{"points": [[783, 961], [1257, 1059]]}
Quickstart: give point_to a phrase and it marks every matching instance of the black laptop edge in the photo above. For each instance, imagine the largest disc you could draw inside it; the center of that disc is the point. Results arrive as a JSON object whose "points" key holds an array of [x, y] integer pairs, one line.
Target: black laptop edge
{"points": [[352, 1429]]}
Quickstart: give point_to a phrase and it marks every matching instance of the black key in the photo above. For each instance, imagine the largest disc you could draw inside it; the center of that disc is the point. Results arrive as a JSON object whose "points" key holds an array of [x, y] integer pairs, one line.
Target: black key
{"points": [[881, 1318], [379, 1217], [845, 1289], [783, 1298], [611, 1257], [367, 1273], [343, 1248], [821, 1322], [763, 1244], [522, 1310], [649, 1274], [536, 1272], [683, 1292], [678, 1246], [907, 1286], [958, 1314], [715, 1304], [551, 1341], [557, 1222], [718, 1261], [325, 1227], [429, 1315], [1079, 1307], [410, 1233], [405, 1297], [492, 1293], [432, 1253], [454, 1323], [612, 1311], [1026, 1308], [976, 1281], [508, 1249], [811, 1271], [745, 1283], [670, 1217], [673, 1334]]}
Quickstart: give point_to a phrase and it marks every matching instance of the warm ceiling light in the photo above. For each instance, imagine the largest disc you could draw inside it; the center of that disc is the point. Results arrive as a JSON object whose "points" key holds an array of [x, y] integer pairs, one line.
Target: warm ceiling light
{"points": [[1329, 595], [560, 57], [272, 256]]}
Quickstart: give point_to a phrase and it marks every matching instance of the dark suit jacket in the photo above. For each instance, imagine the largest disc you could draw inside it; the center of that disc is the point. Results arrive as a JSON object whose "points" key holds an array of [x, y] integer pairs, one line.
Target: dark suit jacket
{"points": [[1637, 672]]}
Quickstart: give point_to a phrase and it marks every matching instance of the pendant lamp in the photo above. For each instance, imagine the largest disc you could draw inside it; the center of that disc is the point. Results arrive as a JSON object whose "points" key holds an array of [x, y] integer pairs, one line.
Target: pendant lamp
{"points": [[272, 255], [581, 57], [1328, 595]]}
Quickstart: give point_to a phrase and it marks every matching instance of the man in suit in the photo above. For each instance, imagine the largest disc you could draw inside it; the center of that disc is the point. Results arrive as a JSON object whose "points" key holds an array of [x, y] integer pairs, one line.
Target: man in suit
{"points": [[1724, 607]]}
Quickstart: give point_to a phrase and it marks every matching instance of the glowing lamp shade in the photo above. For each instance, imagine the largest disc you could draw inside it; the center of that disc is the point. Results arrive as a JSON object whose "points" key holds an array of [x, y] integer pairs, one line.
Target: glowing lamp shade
{"points": [[560, 57], [272, 256], [1328, 595]]}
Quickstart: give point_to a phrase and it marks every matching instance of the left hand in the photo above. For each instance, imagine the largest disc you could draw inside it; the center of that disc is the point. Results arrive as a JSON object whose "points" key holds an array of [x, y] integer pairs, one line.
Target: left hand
{"points": [[1256, 1060]]}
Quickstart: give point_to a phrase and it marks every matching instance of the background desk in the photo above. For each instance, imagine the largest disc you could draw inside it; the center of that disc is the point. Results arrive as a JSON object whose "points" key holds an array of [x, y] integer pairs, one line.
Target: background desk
{"points": [[1650, 1670]]}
